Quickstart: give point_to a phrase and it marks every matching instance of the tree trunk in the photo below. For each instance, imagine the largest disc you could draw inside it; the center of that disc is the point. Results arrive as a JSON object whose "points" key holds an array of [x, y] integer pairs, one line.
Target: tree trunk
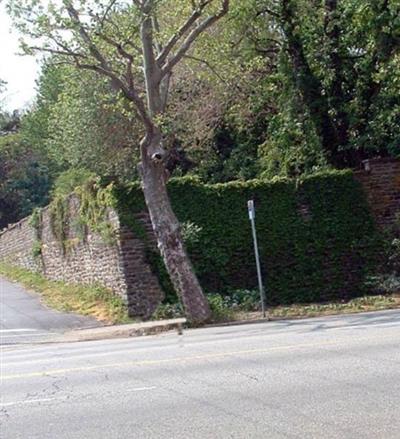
{"points": [[168, 233], [309, 85], [337, 95]]}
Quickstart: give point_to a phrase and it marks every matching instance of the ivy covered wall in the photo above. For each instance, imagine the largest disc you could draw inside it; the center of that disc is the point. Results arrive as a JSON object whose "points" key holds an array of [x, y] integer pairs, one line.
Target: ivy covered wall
{"points": [[317, 237]]}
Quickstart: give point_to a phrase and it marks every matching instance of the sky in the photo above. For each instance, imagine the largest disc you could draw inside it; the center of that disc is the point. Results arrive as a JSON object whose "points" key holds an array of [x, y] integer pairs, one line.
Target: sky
{"points": [[18, 71]]}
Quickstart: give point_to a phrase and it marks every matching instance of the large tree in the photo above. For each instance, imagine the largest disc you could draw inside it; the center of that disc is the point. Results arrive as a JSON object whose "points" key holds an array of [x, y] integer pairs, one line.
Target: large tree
{"points": [[342, 56], [136, 45]]}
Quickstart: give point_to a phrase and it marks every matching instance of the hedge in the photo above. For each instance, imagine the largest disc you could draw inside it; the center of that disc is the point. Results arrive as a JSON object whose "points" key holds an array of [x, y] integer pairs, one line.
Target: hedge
{"points": [[316, 236]]}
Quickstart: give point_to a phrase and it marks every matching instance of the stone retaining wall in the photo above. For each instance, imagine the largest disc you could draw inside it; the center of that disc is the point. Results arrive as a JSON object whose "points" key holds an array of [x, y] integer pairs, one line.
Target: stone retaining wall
{"points": [[17, 243], [120, 266], [123, 267]]}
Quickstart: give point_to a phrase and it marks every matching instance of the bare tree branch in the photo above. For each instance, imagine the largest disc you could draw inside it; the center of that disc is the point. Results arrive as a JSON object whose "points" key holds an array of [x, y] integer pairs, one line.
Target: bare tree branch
{"points": [[165, 83], [156, 28], [116, 46], [105, 69], [86, 38], [187, 43], [180, 33], [106, 12], [208, 65], [58, 52], [269, 12]]}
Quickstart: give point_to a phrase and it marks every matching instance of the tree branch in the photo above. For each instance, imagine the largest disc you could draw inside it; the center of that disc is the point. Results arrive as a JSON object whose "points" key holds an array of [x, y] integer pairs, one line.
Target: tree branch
{"points": [[117, 46], [152, 71], [208, 65], [95, 52], [105, 69], [69, 53], [129, 93], [181, 32], [106, 12], [156, 28], [187, 43], [165, 84], [269, 12]]}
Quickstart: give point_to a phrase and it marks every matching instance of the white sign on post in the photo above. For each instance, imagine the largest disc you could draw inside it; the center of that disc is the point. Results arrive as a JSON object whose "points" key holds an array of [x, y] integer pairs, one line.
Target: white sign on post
{"points": [[252, 212], [252, 217]]}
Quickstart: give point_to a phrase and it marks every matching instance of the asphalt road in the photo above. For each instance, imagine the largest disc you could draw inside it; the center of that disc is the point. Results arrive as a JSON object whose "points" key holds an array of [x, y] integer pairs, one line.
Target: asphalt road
{"points": [[336, 377], [24, 319]]}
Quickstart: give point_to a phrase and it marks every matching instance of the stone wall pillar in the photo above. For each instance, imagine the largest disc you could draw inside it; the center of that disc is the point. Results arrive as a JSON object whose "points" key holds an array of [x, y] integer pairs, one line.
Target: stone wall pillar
{"points": [[380, 179]]}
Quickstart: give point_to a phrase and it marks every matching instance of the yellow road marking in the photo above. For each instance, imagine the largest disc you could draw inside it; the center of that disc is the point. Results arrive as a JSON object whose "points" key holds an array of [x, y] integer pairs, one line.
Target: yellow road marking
{"points": [[176, 359]]}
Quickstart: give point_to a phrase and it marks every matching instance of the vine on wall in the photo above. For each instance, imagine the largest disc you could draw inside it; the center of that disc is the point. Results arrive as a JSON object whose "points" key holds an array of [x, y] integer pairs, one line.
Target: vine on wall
{"points": [[36, 222], [317, 237], [95, 201]]}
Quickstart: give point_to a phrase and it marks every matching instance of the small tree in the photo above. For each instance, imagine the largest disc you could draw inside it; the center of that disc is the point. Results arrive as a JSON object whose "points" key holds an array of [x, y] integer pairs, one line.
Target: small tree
{"points": [[136, 44]]}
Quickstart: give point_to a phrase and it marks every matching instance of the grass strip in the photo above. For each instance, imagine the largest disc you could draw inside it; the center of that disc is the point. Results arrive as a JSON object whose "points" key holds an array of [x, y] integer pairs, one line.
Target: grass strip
{"points": [[100, 303], [360, 304], [88, 300], [225, 314]]}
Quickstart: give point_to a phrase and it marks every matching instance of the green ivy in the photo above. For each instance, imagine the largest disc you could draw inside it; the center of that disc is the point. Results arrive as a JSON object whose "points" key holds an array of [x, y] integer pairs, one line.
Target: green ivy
{"points": [[36, 222], [58, 210], [317, 238], [37, 249], [35, 219], [94, 202]]}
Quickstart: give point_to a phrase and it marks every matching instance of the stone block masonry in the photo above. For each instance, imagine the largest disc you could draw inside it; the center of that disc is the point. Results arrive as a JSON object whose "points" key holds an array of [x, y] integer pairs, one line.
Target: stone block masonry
{"points": [[17, 243], [381, 182], [120, 266]]}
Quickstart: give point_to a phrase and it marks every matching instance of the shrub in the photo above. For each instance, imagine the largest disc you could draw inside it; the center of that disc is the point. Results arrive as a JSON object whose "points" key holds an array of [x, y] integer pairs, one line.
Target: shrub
{"points": [[385, 284], [220, 309], [168, 311], [393, 247], [245, 300], [68, 181]]}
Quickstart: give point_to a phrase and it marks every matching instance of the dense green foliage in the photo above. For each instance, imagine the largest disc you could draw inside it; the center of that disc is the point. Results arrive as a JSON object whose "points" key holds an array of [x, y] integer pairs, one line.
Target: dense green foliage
{"points": [[282, 88], [317, 238], [25, 171], [77, 121], [24, 179], [325, 75]]}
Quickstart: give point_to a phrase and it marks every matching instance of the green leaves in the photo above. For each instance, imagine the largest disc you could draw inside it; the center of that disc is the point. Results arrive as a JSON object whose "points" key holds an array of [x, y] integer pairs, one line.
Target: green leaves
{"points": [[317, 238], [24, 179]]}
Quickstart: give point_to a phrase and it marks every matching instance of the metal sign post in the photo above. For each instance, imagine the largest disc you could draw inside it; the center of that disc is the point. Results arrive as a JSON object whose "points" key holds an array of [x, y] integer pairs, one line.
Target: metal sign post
{"points": [[252, 217]]}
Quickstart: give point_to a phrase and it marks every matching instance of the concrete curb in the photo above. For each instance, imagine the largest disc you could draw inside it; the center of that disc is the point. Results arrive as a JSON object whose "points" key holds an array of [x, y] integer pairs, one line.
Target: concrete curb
{"points": [[124, 331]]}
